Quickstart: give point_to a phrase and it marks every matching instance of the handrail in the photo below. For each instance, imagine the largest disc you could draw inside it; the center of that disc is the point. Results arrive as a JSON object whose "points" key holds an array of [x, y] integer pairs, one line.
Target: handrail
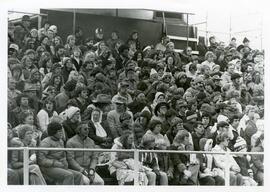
{"points": [[136, 157], [132, 150]]}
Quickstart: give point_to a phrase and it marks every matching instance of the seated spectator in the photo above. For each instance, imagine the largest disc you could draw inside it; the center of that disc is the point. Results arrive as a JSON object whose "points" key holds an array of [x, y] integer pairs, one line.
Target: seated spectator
{"points": [[242, 161], [122, 163], [25, 134], [71, 123], [208, 174], [151, 160], [99, 130], [84, 162], [221, 161], [54, 164], [258, 165]]}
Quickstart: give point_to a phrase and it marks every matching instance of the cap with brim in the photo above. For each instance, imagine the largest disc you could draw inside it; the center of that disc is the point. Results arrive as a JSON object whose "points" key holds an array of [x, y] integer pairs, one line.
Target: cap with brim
{"points": [[235, 76], [119, 100], [216, 77], [14, 46], [102, 98]]}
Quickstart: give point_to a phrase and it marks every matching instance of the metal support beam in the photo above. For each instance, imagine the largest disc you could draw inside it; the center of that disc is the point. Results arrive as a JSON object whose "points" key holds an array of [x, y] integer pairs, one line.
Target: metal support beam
{"points": [[74, 21], [187, 29], [136, 167], [26, 166]]}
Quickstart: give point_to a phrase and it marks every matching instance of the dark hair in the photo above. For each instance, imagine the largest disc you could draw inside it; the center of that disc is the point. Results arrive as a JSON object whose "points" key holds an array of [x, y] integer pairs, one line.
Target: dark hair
{"points": [[233, 117], [47, 100], [18, 98], [153, 124], [170, 113], [25, 114], [124, 137], [221, 137]]}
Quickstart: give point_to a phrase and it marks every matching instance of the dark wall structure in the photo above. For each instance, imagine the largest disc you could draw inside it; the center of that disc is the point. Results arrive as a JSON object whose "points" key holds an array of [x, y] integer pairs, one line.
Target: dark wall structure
{"points": [[150, 31]]}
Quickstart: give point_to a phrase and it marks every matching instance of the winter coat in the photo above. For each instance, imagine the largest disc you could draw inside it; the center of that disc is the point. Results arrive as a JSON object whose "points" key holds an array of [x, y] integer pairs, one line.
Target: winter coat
{"points": [[80, 159]]}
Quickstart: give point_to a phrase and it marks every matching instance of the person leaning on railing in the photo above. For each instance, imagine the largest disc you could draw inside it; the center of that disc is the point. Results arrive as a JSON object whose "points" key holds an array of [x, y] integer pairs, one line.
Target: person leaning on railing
{"points": [[26, 139], [53, 164]]}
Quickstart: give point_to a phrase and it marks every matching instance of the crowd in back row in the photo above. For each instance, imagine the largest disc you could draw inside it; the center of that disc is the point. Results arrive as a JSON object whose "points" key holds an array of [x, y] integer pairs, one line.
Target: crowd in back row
{"points": [[108, 93]]}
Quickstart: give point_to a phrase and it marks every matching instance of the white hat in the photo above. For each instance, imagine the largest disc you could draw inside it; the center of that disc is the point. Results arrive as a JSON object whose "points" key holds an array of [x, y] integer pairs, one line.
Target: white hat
{"points": [[70, 112], [14, 46], [153, 72]]}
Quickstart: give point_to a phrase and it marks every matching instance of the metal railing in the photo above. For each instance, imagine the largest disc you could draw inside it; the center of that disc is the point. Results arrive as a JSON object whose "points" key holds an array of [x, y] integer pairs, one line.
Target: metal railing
{"points": [[136, 158]]}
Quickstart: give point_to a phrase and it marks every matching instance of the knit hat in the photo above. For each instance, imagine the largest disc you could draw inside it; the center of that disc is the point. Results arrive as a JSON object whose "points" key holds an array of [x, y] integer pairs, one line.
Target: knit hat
{"points": [[70, 85], [70, 112], [180, 75], [23, 129], [240, 144], [222, 118], [53, 127]]}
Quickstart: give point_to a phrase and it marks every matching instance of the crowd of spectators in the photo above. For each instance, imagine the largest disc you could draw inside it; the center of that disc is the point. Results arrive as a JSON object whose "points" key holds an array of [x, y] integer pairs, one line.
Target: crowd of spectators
{"points": [[113, 93]]}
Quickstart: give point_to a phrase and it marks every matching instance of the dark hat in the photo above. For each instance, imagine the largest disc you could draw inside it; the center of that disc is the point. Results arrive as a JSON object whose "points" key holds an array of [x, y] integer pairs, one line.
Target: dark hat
{"points": [[53, 127], [191, 115], [102, 98], [146, 114], [245, 40], [222, 124], [70, 85], [182, 103], [57, 47], [235, 76], [122, 48], [124, 116], [26, 18], [55, 66], [99, 30], [159, 105]]}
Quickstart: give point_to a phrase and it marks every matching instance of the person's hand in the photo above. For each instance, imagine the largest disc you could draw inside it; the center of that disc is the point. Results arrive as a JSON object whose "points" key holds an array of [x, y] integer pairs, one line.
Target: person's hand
{"points": [[187, 173], [170, 173], [84, 172], [207, 170], [91, 178]]}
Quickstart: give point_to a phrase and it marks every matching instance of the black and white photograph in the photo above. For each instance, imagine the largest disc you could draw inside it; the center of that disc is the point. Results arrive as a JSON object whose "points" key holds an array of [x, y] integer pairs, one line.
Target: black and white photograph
{"points": [[134, 96]]}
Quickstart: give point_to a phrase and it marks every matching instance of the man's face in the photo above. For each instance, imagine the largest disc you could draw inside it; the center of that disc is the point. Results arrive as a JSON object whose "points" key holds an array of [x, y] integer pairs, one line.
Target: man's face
{"points": [[120, 107], [84, 94], [163, 110], [235, 123], [157, 129], [84, 130], [61, 52], [125, 53], [205, 121], [199, 129], [200, 85], [76, 117], [59, 134], [28, 136]]}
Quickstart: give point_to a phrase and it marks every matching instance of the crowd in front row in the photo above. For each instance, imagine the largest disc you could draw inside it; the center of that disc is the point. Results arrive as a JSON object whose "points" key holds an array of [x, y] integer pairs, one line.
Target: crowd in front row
{"points": [[107, 93]]}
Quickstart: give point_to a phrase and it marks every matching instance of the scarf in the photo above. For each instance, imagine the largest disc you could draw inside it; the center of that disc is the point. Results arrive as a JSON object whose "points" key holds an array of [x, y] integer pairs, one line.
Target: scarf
{"points": [[100, 132]]}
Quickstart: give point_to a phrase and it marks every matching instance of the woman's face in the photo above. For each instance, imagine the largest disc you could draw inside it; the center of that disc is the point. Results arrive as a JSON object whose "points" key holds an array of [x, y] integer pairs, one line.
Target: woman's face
{"points": [[29, 120], [49, 106], [170, 61], [28, 62], [210, 58], [189, 96], [91, 57], [56, 41], [102, 46], [45, 41], [89, 66], [96, 116], [28, 136], [77, 53], [161, 98], [72, 41], [49, 63], [69, 65], [130, 139]]}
